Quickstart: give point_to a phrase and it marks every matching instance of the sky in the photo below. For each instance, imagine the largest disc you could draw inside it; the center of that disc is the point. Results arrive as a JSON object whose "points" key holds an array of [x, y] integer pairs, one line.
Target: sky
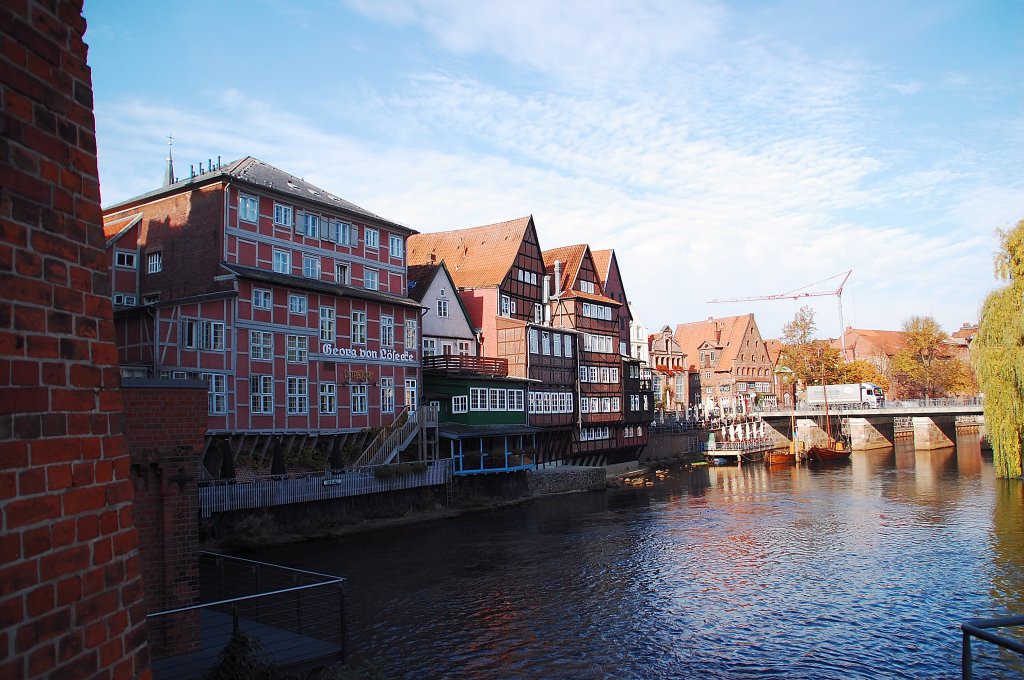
{"points": [[723, 149]]}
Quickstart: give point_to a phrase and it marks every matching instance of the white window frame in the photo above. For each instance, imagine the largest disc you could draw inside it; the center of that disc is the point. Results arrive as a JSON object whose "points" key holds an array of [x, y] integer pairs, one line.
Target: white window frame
{"points": [[297, 390], [283, 214], [515, 400], [387, 395], [262, 298], [261, 345], [534, 341], [311, 266], [217, 392], [360, 399], [328, 324], [568, 347], [310, 225], [297, 349], [248, 208], [358, 327], [462, 347], [442, 309], [261, 394], [328, 398], [371, 279], [460, 403], [342, 273], [371, 238], [497, 399], [387, 330], [396, 247], [126, 259], [282, 261], [155, 262], [545, 343], [538, 313], [411, 335], [298, 304], [429, 347], [478, 399]]}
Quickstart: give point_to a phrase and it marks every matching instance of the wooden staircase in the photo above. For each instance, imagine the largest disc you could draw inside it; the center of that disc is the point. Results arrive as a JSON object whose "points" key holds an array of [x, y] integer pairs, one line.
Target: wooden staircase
{"points": [[394, 438]]}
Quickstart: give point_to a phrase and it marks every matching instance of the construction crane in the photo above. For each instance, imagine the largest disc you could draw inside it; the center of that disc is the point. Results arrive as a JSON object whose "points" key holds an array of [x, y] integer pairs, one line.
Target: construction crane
{"points": [[802, 292]]}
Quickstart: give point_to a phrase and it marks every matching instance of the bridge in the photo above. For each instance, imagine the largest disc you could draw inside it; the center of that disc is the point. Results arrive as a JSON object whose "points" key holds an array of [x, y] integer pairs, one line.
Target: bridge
{"points": [[932, 423]]}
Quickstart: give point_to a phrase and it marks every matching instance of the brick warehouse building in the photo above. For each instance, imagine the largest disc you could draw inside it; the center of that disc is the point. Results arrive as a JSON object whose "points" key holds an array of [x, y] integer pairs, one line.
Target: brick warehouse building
{"points": [[288, 301]]}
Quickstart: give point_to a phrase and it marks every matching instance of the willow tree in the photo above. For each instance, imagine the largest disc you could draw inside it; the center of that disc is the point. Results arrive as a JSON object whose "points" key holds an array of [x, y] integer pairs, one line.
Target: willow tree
{"points": [[998, 355]]}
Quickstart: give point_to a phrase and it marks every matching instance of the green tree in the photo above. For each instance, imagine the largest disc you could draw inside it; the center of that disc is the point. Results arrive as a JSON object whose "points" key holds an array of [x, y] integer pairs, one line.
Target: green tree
{"points": [[806, 360], [925, 366], [998, 355], [863, 371]]}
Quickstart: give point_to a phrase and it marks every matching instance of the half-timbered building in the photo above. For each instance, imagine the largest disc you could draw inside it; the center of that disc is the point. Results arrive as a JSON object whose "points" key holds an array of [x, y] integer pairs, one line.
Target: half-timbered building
{"points": [[291, 303]]}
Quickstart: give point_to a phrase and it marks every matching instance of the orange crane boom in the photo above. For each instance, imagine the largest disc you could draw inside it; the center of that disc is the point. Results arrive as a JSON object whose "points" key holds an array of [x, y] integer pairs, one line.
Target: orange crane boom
{"points": [[802, 292]]}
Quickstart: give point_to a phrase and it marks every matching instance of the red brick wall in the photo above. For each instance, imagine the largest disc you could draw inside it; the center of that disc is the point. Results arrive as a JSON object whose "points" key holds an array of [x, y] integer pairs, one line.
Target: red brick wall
{"points": [[71, 600], [164, 427]]}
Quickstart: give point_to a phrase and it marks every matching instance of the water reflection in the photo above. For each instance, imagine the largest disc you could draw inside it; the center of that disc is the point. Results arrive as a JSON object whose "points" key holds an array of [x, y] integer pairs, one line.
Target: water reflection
{"points": [[860, 570]]}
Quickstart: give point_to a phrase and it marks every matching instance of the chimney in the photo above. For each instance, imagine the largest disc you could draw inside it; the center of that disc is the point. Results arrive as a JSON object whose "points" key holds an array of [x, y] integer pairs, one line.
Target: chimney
{"points": [[546, 290], [558, 278], [433, 258]]}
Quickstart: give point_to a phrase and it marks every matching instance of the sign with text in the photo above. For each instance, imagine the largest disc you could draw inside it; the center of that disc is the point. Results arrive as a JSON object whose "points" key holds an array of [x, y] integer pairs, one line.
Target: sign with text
{"points": [[330, 351]]}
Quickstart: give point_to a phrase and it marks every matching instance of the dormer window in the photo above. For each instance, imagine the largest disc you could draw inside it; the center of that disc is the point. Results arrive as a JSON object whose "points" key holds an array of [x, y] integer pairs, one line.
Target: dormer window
{"points": [[587, 287]]}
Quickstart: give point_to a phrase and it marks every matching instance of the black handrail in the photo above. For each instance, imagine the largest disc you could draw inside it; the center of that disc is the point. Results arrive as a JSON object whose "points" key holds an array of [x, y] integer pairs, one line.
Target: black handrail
{"points": [[979, 628]]}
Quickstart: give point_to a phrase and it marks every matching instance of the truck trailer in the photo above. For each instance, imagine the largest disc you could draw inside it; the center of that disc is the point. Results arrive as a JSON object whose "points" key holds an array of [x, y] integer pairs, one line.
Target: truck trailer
{"points": [[865, 395]]}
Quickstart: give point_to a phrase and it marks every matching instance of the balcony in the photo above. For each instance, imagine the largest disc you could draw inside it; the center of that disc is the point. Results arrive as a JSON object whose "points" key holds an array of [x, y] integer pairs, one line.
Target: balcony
{"points": [[457, 364]]}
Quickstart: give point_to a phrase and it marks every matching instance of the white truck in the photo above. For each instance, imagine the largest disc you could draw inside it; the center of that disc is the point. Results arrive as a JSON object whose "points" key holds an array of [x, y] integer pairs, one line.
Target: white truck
{"points": [[865, 395]]}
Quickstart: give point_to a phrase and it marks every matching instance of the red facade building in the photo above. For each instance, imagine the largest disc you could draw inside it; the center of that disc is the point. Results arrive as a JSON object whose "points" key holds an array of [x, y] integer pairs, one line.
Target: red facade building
{"points": [[287, 300]]}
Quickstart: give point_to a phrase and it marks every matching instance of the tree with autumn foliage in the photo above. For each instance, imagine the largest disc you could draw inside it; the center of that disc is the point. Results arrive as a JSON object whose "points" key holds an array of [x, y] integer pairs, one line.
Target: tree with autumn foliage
{"points": [[926, 367], [998, 356]]}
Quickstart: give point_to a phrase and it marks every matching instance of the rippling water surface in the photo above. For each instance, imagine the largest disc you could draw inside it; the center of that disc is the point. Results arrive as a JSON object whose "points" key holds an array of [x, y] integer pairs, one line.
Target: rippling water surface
{"points": [[858, 571]]}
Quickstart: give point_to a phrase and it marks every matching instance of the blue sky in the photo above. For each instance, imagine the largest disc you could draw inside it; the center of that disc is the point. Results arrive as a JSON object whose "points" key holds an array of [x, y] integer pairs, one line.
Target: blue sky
{"points": [[724, 149]]}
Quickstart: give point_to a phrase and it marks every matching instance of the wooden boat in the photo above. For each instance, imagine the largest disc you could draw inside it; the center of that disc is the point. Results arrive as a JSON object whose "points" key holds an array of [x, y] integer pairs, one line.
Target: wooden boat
{"points": [[780, 457], [837, 449]]}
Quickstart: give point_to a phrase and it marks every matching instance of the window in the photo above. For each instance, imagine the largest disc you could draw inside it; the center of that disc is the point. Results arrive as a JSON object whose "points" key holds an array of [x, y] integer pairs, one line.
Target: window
{"points": [[587, 287], [614, 374], [122, 299], [584, 404], [387, 331], [261, 345], [387, 395], [396, 247], [217, 392], [410, 335], [358, 328], [297, 349], [341, 273], [310, 226], [634, 402], [360, 399], [593, 370], [477, 398], [460, 404], [410, 394], [442, 309], [328, 398], [327, 324], [311, 266], [568, 347], [595, 405], [154, 263], [556, 344], [283, 214], [370, 279], [297, 304], [201, 334], [298, 395], [151, 299], [463, 348], [604, 374], [348, 234], [515, 400], [545, 343], [583, 374], [616, 404], [429, 347], [508, 306], [282, 262], [261, 394], [538, 313], [261, 298], [497, 399], [371, 237], [606, 405], [125, 259], [534, 341], [248, 208]]}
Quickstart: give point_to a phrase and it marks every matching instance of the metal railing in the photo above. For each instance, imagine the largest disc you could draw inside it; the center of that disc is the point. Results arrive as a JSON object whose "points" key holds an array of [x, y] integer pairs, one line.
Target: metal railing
{"points": [[401, 421], [296, 618], [979, 628]]}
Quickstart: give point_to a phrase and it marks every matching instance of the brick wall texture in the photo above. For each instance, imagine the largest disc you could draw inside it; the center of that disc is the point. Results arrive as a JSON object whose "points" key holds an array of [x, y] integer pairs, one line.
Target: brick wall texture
{"points": [[71, 598]]}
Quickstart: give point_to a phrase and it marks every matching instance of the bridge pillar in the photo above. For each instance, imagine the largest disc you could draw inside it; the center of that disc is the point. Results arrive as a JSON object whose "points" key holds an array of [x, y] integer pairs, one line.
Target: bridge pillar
{"points": [[810, 433], [866, 436], [778, 432], [934, 433]]}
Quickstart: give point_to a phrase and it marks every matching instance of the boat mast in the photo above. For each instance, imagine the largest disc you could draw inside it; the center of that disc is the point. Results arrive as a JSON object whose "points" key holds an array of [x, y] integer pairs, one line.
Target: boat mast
{"points": [[824, 389]]}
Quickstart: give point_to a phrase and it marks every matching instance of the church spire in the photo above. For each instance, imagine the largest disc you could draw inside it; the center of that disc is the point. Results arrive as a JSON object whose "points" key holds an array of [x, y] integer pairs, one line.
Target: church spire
{"points": [[169, 173]]}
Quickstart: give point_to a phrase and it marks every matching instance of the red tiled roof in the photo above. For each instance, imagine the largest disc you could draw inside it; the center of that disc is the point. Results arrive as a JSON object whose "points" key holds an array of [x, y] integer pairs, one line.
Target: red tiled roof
{"points": [[774, 348], [571, 258], [590, 296], [603, 263], [477, 257], [717, 332], [861, 342], [113, 227]]}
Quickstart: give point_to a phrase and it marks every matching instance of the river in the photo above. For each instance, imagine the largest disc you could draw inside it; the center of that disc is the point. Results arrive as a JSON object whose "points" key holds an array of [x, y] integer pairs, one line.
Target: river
{"points": [[862, 570]]}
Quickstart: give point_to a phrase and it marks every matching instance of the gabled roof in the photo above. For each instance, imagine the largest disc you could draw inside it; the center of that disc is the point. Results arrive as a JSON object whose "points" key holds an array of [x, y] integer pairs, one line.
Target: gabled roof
{"points": [[259, 174], [603, 263], [477, 257], [419, 278], [114, 228], [571, 258], [717, 332], [774, 348], [865, 342]]}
